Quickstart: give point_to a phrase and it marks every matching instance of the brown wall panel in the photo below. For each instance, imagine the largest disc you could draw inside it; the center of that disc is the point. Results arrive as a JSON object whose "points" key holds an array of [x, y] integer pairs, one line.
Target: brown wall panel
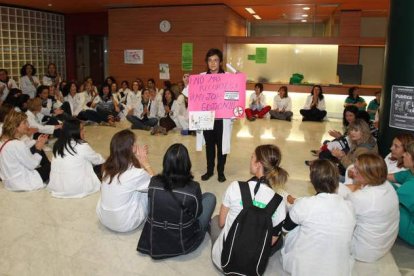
{"points": [[350, 23], [138, 28], [348, 55]]}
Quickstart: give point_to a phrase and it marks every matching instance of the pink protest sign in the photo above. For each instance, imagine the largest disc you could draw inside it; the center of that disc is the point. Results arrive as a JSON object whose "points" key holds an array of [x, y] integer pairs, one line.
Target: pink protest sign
{"points": [[223, 93]]}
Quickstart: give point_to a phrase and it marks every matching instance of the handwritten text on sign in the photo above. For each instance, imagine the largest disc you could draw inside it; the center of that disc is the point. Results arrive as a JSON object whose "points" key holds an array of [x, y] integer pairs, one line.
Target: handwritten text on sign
{"points": [[223, 93]]}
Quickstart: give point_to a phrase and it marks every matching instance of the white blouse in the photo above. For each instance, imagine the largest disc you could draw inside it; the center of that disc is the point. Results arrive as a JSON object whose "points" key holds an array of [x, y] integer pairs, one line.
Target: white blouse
{"points": [[7, 86], [35, 122], [27, 86], [378, 217], [123, 205], [320, 106], [17, 167], [282, 103], [72, 176], [321, 243], [75, 102]]}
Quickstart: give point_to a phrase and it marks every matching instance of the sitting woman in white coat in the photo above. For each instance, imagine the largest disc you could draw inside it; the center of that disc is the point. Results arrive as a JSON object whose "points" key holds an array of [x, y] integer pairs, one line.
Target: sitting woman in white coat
{"points": [[76, 166], [321, 227], [376, 206], [123, 205], [34, 117], [21, 168]]}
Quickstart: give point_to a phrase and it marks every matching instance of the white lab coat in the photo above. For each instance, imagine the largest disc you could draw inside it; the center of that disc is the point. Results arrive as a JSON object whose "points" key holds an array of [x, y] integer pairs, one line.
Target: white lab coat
{"points": [[154, 109], [35, 121], [27, 86], [10, 84], [76, 103], [72, 176], [47, 80], [282, 103], [123, 205], [321, 243], [17, 167], [378, 217]]}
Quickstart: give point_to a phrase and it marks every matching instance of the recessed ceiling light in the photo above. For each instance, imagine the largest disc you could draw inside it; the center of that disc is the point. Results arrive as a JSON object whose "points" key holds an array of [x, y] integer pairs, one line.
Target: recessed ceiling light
{"points": [[304, 20], [306, 8], [305, 15], [49, 5], [250, 10], [256, 16]]}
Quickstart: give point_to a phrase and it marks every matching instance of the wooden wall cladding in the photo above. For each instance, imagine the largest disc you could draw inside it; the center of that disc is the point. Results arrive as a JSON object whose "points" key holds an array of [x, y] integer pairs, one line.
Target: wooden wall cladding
{"points": [[138, 28], [348, 55]]}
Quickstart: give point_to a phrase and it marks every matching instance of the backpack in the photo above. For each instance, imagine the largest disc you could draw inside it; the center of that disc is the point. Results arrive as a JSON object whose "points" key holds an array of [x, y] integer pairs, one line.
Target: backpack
{"points": [[247, 247]]}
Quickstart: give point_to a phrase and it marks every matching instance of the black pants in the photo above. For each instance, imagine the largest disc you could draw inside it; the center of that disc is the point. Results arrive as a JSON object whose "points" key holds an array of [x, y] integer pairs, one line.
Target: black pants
{"points": [[313, 114], [98, 171], [50, 121], [44, 168], [92, 115], [214, 138]]}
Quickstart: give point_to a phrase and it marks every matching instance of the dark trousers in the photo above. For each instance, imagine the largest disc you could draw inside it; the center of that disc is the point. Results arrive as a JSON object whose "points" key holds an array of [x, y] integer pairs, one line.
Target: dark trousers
{"points": [[313, 114], [50, 121], [91, 115], [44, 166], [98, 171], [214, 138]]}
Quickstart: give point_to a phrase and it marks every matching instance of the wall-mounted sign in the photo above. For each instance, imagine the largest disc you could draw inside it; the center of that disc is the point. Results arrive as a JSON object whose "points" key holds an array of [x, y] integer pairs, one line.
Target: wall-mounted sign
{"points": [[134, 56], [187, 56], [402, 107]]}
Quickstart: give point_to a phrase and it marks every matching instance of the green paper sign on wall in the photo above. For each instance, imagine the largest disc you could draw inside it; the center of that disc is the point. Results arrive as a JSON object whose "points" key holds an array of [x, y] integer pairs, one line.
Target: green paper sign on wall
{"points": [[187, 56], [261, 55]]}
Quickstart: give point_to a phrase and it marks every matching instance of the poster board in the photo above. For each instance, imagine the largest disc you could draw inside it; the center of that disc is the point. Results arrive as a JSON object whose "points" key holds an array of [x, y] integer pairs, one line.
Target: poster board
{"points": [[402, 107], [134, 56], [225, 94]]}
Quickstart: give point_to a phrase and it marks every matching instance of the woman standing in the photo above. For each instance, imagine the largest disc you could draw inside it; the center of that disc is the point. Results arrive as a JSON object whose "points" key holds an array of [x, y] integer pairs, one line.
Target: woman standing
{"points": [[218, 139], [376, 208], [282, 105], [127, 172], [314, 109], [28, 81], [22, 168], [175, 199], [74, 164]]}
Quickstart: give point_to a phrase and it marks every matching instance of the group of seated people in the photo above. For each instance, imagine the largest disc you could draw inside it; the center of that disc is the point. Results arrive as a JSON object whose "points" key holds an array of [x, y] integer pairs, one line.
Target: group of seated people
{"points": [[363, 215], [313, 110], [146, 107]]}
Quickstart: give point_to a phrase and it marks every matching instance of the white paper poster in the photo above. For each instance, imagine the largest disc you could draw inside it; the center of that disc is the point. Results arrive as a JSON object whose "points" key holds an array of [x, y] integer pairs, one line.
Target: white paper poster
{"points": [[134, 56], [164, 71], [201, 120]]}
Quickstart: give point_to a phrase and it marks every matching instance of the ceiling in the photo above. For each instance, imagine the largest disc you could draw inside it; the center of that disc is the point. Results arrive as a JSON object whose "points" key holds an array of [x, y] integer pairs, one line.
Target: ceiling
{"points": [[280, 10]]}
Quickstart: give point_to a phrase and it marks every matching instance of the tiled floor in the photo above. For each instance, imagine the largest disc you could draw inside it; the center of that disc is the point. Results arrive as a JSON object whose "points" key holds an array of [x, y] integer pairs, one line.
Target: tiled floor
{"points": [[41, 235]]}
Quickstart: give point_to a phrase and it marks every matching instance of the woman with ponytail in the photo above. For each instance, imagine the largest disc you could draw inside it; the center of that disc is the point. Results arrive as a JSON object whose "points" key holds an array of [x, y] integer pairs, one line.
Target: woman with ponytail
{"points": [[125, 178], [179, 215], [268, 177]]}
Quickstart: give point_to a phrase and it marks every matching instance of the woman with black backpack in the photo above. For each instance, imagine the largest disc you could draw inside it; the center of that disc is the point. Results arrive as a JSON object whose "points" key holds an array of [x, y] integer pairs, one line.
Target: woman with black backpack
{"points": [[179, 215], [240, 248]]}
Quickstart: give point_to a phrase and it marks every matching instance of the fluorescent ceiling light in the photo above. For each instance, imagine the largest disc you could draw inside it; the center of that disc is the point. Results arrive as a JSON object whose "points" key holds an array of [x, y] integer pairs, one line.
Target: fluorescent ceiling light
{"points": [[306, 8], [256, 16], [305, 15], [250, 10], [304, 20]]}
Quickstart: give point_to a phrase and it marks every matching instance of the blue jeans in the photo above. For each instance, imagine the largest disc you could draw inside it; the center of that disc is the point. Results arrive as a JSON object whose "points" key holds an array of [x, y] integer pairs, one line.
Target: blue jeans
{"points": [[141, 124], [209, 204]]}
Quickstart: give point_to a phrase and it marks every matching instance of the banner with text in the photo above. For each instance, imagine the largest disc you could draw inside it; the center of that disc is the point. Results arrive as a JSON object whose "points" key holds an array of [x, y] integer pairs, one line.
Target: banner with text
{"points": [[225, 94]]}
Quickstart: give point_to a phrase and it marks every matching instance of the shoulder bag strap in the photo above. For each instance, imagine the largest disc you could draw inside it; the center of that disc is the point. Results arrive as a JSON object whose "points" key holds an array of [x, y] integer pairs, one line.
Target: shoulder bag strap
{"points": [[2, 146], [273, 204], [245, 194]]}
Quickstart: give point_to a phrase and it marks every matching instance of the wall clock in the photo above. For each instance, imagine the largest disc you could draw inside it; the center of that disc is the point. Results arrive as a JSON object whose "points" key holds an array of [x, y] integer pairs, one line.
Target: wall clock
{"points": [[165, 26]]}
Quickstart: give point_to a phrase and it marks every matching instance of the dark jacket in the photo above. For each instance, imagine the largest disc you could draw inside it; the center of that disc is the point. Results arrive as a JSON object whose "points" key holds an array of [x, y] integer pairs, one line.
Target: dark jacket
{"points": [[171, 227]]}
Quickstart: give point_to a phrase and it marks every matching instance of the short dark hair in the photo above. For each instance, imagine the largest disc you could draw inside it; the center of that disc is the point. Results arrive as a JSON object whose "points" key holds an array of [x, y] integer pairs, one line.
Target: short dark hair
{"points": [[352, 109], [66, 88], [212, 52], [259, 85], [4, 70], [151, 80], [284, 87], [126, 82], [324, 176], [351, 91], [40, 89], [23, 70], [176, 170]]}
